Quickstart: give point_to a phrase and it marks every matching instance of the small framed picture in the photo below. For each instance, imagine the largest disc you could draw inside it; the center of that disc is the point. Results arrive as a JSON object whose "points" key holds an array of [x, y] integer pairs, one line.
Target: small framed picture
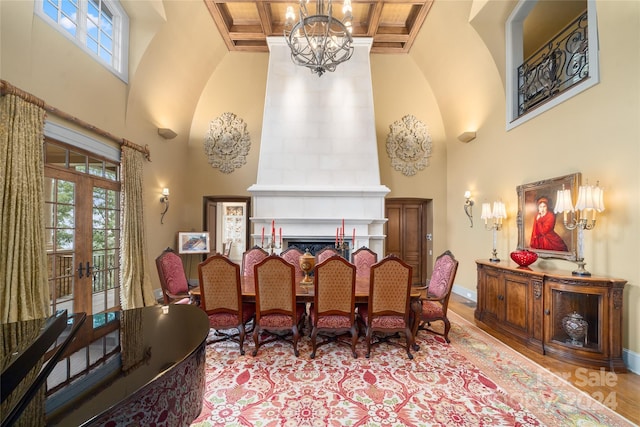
{"points": [[541, 230], [193, 242]]}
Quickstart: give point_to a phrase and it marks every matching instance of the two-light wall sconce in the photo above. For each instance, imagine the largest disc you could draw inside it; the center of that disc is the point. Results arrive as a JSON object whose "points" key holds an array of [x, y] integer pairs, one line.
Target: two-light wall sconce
{"points": [[165, 201], [468, 206]]}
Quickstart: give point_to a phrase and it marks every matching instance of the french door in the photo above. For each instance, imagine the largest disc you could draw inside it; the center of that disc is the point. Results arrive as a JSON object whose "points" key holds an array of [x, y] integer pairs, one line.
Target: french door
{"points": [[82, 209]]}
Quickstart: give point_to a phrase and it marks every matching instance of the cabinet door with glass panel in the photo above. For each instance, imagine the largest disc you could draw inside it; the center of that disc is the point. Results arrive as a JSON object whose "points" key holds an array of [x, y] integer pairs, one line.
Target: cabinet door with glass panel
{"points": [[82, 208]]}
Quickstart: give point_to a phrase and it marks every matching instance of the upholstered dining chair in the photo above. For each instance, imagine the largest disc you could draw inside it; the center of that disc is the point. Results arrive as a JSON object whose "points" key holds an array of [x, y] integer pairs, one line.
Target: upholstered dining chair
{"points": [[389, 308], [436, 302], [333, 309], [363, 259], [292, 255], [277, 313], [221, 299], [250, 258], [173, 279], [325, 253]]}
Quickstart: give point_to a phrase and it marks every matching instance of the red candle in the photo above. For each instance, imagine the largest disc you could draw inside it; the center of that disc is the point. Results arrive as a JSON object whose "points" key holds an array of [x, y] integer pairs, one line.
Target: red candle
{"points": [[342, 229], [262, 240], [280, 236], [337, 232]]}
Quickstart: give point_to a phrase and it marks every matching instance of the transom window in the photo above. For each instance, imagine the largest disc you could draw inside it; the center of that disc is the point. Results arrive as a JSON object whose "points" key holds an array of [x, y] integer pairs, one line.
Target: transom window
{"points": [[99, 27]]}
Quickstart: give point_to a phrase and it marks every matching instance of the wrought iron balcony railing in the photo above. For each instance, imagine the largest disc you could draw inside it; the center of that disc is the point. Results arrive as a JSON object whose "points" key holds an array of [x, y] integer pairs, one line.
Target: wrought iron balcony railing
{"points": [[554, 68]]}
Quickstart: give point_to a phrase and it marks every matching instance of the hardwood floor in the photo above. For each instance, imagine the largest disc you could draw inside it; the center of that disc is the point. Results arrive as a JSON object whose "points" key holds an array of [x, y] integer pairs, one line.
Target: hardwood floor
{"points": [[620, 392]]}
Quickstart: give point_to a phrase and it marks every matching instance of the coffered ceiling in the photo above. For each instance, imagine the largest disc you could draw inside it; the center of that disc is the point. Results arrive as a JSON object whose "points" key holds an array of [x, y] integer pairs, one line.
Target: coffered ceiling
{"points": [[393, 24]]}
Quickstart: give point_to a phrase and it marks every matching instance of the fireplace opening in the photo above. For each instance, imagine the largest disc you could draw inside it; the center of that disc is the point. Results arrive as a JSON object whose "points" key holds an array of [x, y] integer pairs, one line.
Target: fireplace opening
{"points": [[314, 245]]}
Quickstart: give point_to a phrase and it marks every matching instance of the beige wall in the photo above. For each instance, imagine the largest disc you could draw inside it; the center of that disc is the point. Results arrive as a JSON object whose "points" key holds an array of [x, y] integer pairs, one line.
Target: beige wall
{"points": [[182, 77]]}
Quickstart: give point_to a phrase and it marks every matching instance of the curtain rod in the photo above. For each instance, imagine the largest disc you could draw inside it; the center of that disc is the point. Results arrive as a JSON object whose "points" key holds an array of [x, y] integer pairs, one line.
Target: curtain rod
{"points": [[8, 88]]}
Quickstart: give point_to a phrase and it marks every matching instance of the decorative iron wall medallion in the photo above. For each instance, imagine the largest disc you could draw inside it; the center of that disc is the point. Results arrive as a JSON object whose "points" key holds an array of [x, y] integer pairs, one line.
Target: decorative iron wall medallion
{"points": [[227, 143], [409, 145]]}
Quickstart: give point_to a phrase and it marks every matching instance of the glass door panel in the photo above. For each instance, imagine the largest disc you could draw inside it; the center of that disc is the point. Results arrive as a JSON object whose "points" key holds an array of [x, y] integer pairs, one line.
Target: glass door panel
{"points": [[60, 219], [106, 249]]}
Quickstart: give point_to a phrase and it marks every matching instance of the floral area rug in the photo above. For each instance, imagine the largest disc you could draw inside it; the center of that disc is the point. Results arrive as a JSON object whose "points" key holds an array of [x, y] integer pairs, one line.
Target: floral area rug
{"points": [[474, 381]]}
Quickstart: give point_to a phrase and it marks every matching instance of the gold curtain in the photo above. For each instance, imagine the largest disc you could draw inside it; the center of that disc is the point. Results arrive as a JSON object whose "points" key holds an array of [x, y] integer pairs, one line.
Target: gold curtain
{"points": [[24, 290], [136, 290]]}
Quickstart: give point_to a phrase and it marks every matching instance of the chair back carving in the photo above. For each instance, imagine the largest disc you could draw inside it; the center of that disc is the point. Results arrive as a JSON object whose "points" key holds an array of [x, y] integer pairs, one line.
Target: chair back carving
{"points": [[173, 279], [325, 253], [292, 256], [252, 257], [363, 259]]}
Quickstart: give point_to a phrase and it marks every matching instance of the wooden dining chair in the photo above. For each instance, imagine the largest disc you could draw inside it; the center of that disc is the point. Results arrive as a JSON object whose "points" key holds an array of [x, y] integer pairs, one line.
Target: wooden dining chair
{"points": [[363, 259], [333, 310], [173, 279], [388, 311], [277, 313], [326, 253], [434, 305], [221, 299], [250, 258], [292, 255]]}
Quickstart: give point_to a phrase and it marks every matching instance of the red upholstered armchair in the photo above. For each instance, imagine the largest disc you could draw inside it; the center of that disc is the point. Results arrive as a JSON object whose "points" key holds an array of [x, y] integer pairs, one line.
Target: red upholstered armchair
{"points": [[173, 280], [434, 306]]}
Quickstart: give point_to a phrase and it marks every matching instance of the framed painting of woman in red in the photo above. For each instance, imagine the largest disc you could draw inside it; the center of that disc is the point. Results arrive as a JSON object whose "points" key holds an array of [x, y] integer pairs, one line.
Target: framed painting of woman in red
{"points": [[539, 229]]}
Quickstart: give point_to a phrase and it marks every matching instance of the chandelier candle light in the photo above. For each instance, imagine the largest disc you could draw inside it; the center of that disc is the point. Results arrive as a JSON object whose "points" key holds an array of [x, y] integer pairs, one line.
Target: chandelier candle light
{"points": [[590, 200], [319, 42], [497, 215]]}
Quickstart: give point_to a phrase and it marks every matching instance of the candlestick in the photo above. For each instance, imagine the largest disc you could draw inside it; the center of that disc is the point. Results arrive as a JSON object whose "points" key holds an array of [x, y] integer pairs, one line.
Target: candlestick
{"points": [[262, 240], [354, 239]]}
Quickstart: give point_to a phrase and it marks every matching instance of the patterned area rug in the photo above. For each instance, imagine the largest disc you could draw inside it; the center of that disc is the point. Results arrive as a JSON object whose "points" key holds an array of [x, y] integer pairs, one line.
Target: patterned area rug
{"points": [[474, 381]]}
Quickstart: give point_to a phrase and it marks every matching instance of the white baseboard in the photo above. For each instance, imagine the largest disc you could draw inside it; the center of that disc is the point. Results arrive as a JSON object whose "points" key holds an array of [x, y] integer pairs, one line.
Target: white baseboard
{"points": [[631, 358], [465, 292]]}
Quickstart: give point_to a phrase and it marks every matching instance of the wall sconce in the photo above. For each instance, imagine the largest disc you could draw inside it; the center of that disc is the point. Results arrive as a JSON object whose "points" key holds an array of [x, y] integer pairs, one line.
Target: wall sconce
{"points": [[165, 201], [468, 206], [497, 215], [467, 136], [589, 199]]}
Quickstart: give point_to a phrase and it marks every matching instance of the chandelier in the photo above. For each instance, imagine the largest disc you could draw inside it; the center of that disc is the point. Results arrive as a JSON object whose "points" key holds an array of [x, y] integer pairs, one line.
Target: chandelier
{"points": [[319, 42]]}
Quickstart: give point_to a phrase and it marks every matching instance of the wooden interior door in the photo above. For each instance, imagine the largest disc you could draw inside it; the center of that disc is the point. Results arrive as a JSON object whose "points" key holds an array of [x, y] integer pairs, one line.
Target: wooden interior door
{"points": [[407, 229]]}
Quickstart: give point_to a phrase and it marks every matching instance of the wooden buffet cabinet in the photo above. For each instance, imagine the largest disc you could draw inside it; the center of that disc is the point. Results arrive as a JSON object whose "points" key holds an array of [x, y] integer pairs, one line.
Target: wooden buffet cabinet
{"points": [[529, 305]]}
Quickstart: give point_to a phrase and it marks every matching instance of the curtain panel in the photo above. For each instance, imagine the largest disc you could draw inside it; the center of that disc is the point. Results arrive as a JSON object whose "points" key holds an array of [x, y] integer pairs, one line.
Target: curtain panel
{"points": [[24, 289], [136, 289]]}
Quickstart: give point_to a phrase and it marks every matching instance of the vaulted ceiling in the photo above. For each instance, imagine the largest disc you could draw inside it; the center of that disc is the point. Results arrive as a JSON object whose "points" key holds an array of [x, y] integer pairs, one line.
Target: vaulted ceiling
{"points": [[393, 24]]}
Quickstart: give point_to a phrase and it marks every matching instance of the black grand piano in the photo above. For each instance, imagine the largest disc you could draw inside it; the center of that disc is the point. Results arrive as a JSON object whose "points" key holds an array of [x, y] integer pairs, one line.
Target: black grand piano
{"points": [[133, 367]]}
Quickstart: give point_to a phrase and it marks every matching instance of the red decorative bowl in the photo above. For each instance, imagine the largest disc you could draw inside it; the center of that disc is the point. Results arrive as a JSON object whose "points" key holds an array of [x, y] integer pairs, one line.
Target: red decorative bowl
{"points": [[524, 258]]}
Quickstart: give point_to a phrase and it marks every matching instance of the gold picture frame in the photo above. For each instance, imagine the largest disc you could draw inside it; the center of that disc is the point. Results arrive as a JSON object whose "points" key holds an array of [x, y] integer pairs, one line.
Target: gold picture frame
{"points": [[550, 234]]}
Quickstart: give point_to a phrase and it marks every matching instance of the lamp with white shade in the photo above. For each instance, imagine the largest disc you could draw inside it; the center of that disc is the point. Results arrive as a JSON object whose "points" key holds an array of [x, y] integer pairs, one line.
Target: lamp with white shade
{"points": [[581, 216], [493, 222]]}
